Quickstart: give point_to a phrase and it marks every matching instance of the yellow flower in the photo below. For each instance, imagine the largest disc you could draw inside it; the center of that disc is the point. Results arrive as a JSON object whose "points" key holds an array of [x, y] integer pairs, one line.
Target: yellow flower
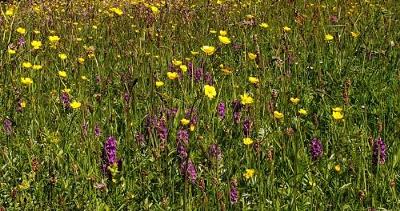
{"points": [[246, 99], [249, 16], [287, 29], [84, 78], [159, 83], [185, 121], [176, 62], [62, 74], [23, 103], [278, 115], [213, 31], [337, 168], [117, 11], [247, 141], [328, 37], [75, 104], [303, 112], [208, 50], [295, 100], [183, 68], [172, 75], [26, 81], [224, 40], [10, 11], [192, 127], [337, 109], [27, 64], [154, 9], [62, 56], [337, 115], [36, 44], [264, 25], [11, 51], [54, 39], [223, 32], [37, 67], [249, 173], [194, 53], [66, 90], [36, 31], [81, 60], [355, 34], [24, 185], [252, 56], [210, 91], [21, 30], [254, 80]]}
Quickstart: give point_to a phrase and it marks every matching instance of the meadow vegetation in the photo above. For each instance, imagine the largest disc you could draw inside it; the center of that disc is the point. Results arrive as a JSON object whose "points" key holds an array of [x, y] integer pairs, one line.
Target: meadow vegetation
{"points": [[199, 105]]}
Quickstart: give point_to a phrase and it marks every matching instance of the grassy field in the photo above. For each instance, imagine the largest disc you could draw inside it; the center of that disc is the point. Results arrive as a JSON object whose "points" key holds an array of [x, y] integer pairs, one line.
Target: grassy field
{"points": [[200, 105]]}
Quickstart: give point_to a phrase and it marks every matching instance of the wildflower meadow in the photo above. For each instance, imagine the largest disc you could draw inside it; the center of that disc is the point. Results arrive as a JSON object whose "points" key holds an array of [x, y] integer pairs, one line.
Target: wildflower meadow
{"points": [[199, 105]]}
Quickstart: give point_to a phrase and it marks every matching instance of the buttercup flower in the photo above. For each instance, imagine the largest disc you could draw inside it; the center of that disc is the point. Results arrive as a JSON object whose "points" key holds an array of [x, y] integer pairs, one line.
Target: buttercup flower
{"points": [[11, 51], [185, 121], [176, 62], [247, 141], [26, 64], [21, 30], [303, 112], [183, 68], [246, 99], [328, 37], [264, 25], [337, 168], [26, 81], [224, 40], [252, 56], [223, 32], [172, 75], [75, 104], [54, 38], [62, 56], [337, 115], [249, 173], [208, 50], [210, 91], [10, 11], [37, 67], [62, 74], [355, 34], [295, 100], [159, 83], [254, 80], [81, 60], [36, 44], [278, 115], [286, 29], [117, 11]]}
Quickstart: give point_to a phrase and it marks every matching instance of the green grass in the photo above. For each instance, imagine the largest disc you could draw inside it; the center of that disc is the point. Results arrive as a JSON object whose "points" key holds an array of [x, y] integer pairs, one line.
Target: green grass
{"points": [[49, 161]]}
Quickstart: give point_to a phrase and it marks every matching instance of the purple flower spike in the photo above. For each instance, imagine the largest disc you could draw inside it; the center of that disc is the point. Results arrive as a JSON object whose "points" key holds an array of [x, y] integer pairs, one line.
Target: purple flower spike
{"points": [[7, 126], [221, 110], [316, 148], [379, 154], [188, 169], [247, 124], [234, 193]]}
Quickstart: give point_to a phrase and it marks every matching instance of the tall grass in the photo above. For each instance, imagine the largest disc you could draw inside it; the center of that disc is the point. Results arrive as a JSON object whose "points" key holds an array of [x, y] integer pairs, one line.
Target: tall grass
{"points": [[53, 156]]}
